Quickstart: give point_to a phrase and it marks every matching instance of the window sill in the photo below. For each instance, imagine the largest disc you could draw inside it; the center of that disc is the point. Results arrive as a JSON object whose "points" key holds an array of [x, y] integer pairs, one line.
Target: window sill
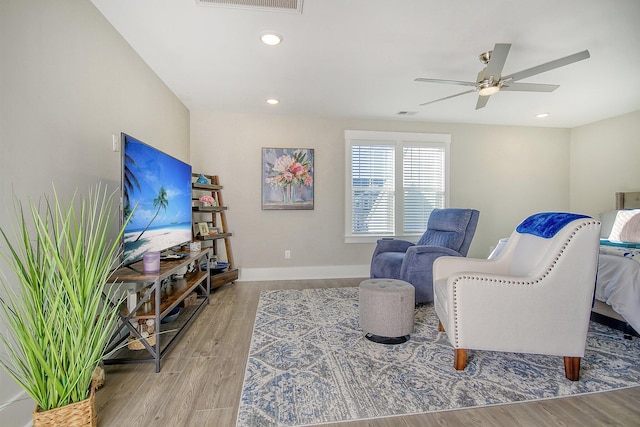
{"points": [[374, 239]]}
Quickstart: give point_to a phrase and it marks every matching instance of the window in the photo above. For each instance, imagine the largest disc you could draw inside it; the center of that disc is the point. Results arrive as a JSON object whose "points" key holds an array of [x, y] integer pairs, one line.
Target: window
{"points": [[394, 181]]}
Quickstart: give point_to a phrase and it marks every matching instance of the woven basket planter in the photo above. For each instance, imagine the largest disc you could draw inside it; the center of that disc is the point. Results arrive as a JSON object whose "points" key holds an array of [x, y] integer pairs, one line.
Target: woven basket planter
{"points": [[79, 414]]}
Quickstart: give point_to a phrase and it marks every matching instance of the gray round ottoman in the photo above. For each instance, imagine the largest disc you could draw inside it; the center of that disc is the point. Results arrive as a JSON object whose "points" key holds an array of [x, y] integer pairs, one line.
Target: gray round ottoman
{"points": [[386, 310]]}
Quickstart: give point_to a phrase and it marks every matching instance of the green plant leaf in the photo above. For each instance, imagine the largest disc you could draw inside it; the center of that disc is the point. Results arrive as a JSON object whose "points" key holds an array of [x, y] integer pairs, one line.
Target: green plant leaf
{"points": [[59, 323]]}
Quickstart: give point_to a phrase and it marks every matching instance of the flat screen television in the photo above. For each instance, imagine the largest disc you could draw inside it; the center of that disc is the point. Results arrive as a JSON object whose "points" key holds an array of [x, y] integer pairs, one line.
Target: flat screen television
{"points": [[157, 187]]}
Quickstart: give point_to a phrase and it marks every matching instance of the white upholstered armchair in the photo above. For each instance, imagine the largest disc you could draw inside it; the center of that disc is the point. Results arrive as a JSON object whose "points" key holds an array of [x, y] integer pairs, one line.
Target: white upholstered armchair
{"points": [[534, 297]]}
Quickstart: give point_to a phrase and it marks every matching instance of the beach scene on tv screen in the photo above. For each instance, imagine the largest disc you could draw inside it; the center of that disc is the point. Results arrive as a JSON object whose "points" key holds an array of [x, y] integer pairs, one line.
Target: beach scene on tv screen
{"points": [[157, 187]]}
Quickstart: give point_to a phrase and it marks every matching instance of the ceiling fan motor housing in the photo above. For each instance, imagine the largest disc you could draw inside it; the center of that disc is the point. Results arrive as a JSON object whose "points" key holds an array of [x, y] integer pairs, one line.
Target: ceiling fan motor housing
{"points": [[485, 57]]}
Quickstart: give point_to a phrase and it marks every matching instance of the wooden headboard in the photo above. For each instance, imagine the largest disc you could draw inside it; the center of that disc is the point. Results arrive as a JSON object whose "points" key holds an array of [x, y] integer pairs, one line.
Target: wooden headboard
{"points": [[628, 200]]}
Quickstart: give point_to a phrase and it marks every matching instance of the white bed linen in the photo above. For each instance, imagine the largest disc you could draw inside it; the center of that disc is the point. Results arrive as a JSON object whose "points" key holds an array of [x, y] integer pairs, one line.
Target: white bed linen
{"points": [[618, 284], [632, 253]]}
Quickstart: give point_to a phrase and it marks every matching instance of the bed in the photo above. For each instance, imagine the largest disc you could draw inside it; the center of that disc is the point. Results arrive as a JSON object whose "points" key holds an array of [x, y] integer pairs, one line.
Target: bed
{"points": [[617, 295]]}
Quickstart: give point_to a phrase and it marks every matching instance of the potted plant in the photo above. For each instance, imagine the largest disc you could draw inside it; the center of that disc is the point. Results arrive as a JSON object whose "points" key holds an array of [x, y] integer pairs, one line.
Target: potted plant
{"points": [[207, 201], [58, 307]]}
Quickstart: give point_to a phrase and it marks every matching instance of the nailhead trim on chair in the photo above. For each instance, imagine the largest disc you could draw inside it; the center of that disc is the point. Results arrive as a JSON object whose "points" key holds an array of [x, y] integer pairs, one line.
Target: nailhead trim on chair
{"points": [[516, 282]]}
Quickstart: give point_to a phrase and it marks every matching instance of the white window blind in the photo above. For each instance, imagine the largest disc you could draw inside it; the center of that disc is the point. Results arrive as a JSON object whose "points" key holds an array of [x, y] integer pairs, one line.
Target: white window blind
{"points": [[373, 188], [393, 182], [423, 185]]}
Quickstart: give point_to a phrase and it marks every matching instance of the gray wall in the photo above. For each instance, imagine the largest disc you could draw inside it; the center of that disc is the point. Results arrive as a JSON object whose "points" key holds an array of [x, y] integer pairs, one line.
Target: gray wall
{"points": [[505, 172], [68, 82], [605, 158]]}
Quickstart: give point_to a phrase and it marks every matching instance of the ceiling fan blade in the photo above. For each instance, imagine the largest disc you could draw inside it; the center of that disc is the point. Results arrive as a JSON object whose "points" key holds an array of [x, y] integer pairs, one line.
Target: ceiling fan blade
{"points": [[528, 87], [548, 66], [451, 82], [497, 60], [482, 101], [448, 97]]}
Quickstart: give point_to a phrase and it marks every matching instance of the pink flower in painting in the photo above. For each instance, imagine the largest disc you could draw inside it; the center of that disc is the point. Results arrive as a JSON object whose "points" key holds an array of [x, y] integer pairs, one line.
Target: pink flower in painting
{"points": [[290, 170], [296, 169]]}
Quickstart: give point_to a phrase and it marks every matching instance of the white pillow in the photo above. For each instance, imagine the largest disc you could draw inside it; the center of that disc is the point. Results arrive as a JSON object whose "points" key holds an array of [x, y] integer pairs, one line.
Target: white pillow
{"points": [[607, 218], [626, 227]]}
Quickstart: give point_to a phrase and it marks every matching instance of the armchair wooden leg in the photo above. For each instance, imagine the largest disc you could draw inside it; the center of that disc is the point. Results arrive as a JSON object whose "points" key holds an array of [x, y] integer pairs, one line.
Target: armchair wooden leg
{"points": [[572, 368], [440, 326], [460, 359]]}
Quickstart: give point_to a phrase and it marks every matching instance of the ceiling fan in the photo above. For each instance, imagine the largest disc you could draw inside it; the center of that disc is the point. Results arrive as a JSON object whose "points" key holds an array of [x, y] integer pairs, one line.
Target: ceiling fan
{"points": [[491, 81]]}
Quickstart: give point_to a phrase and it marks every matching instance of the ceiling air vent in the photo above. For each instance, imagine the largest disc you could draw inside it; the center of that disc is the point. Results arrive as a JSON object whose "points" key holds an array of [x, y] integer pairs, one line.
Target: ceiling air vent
{"points": [[293, 6]]}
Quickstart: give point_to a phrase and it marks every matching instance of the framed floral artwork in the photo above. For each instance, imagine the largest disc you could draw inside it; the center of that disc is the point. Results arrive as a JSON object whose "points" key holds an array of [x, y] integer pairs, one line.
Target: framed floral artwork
{"points": [[287, 178]]}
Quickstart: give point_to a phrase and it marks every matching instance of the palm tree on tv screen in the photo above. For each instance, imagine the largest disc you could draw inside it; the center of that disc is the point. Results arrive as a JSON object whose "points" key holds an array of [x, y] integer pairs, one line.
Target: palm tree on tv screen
{"points": [[159, 202], [130, 181]]}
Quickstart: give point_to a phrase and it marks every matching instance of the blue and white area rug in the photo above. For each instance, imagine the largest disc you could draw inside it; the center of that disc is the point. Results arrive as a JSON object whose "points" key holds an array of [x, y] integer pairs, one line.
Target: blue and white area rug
{"points": [[309, 363]]}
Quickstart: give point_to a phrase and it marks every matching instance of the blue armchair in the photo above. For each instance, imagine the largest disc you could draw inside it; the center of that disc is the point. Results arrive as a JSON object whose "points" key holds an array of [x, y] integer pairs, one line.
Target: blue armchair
{"points": [[449, 232]]}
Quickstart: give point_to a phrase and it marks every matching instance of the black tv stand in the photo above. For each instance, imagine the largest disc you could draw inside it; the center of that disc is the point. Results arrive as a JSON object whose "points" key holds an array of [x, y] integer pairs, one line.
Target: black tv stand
{"points": [[127, 344]]}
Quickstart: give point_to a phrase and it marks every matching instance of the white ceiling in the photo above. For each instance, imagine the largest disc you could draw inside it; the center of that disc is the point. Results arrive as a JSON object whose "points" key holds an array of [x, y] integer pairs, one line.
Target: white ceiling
{"points": [[359, 58]]}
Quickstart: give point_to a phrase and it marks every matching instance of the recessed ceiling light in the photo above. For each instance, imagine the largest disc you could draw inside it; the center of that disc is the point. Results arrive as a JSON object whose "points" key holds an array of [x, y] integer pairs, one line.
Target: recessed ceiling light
{"points": [[273, 101], [542, 115], [270, 38]]}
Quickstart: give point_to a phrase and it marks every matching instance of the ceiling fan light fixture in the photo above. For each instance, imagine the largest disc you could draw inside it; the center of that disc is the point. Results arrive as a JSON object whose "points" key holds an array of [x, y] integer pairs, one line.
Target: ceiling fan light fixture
{"points": [[273, 101], [489, 90], [542, 115]]}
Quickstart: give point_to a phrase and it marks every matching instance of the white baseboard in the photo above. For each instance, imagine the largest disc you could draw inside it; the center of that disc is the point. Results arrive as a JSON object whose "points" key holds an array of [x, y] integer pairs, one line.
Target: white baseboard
{"points": [[303, 273]]}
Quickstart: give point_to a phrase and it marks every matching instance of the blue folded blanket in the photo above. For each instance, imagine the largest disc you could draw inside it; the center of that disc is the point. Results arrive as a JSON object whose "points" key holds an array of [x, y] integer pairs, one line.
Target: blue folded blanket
{"points": [[547, 224]]}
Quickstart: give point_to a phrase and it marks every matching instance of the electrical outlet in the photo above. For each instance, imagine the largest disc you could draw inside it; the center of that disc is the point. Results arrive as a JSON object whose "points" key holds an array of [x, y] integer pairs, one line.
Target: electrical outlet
{"points": [[287, 254], [115, 143]]}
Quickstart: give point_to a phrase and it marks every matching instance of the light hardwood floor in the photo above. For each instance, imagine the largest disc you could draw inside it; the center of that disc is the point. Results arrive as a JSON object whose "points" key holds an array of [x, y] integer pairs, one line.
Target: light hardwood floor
{"points": [[201, 380]]}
